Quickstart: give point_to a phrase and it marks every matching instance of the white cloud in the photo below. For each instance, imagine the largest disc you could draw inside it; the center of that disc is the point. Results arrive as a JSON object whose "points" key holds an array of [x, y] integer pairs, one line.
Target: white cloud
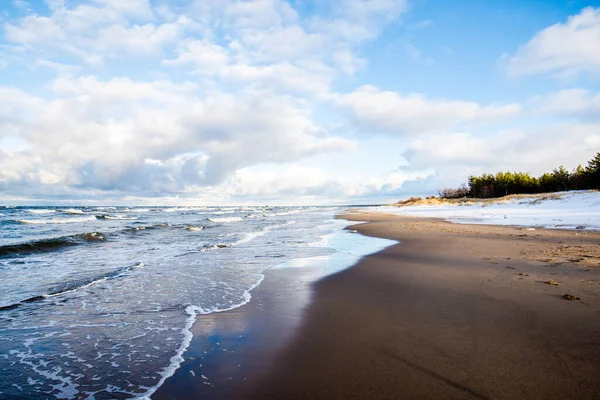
{"points": [[569, 102], [104, 28], [231, 99], [564, 49], [533, 150], [259, 13], [58, 67], [385, 111], [203, 55], [259, 69], [301, 181], [99, 135]]}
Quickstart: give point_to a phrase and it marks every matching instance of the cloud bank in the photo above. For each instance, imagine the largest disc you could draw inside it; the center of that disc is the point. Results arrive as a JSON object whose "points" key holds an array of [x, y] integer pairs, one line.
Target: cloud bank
{"points": [[242, 100]]}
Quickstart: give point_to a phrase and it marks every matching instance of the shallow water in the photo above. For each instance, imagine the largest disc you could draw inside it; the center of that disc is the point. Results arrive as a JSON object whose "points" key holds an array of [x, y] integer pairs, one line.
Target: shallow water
{"points": [[98, 301]]}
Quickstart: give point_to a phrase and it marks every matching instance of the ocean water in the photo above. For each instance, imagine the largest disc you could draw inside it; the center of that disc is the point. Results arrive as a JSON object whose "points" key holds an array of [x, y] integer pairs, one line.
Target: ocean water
{"points": [[98, 302]]}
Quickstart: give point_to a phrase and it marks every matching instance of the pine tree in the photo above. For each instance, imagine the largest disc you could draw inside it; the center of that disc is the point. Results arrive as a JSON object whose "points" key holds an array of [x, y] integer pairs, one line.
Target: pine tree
{"points": [[578, 178], [592, 172], [561, 176]]}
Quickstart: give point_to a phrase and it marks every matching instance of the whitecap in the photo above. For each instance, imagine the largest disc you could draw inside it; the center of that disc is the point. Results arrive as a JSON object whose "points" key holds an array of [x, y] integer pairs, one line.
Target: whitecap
{"points": [[72, 211], [40, 211], [118, 217], [56, 220], [226, 219]]}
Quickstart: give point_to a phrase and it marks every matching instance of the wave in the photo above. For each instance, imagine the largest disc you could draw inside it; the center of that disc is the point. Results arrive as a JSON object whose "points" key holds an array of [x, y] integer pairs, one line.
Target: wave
{"points": [[72, 211], [73, 285], [40, 211], [115, 217], [181, 209], [47, 245], [249, 236], [194, 228], [280, 214], [253, 235], [55, 220], [226, 219], [211, 247], [138, 228], [76, 284]]}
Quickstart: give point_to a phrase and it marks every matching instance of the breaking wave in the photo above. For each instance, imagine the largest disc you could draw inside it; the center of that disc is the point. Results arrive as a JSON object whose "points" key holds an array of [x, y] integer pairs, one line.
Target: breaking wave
{"points": [[73, 285], [56, 220], [226, 219], [47, 245]]}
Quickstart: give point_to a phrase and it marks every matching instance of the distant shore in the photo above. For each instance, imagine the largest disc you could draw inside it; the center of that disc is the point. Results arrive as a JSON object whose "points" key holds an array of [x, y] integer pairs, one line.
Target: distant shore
{"points": [[453, 311]]}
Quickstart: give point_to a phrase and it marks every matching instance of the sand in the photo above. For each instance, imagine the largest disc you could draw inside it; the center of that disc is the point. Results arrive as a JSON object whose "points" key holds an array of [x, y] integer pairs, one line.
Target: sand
{"points": [[453, 311]]}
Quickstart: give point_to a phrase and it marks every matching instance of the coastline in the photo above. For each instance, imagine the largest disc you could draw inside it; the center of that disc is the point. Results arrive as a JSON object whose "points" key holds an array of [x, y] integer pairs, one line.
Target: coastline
{"points": [[444, 314], [231, 352]]}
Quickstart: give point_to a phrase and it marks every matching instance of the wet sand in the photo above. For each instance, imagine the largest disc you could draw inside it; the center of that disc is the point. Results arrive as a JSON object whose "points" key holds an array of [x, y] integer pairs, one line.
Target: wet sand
{"points": [[453, 311]]}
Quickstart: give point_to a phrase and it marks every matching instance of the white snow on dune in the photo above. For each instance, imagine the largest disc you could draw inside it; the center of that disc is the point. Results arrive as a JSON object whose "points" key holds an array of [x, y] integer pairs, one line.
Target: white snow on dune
{"points": [[572, 210]]}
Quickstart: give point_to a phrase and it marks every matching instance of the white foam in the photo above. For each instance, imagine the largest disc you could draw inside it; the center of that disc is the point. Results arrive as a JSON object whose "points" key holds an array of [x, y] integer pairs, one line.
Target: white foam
{"points": [[179, 209], [57, 220], [72, 211], [66, 388], [92, 283], [119, 217], [195, 228], [226, 219], [193, 312], [40, 211], [280, 214], [253, 235]]}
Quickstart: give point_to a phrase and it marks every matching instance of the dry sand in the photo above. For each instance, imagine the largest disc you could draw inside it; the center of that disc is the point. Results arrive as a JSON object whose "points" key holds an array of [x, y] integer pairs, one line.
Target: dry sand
{"points": [[454, 311]]}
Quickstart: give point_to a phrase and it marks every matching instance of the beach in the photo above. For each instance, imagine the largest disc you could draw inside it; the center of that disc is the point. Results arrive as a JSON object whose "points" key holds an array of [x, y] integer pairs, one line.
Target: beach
{"points": [[452, 311]]}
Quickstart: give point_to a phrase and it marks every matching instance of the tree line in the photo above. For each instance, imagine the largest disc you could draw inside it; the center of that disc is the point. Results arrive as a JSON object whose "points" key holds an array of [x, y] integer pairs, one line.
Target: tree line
{"points": [[505, 183]]}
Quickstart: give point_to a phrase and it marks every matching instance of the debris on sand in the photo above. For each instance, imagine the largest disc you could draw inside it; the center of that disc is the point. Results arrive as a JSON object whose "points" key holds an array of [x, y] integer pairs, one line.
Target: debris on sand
{"points": [[570, 297], [523, 274], [551, 282]]}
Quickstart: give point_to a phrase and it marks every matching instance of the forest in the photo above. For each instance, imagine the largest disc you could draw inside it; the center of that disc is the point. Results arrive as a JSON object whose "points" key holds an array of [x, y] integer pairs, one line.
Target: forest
{"points": [[506, 183]]}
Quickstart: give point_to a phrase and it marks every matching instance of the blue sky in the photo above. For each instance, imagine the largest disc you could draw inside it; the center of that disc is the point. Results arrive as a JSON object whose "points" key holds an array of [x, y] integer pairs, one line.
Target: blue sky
{"points": [[289, 102]]}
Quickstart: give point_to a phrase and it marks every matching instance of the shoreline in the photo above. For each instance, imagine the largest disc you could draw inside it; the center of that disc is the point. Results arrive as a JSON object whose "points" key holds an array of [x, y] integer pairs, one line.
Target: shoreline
{"points": [[232, 351], [444, 314]]}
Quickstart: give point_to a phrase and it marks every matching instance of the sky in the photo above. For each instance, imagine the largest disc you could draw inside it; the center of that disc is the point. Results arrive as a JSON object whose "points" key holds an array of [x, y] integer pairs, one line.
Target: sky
{"points": [[289, 102]]}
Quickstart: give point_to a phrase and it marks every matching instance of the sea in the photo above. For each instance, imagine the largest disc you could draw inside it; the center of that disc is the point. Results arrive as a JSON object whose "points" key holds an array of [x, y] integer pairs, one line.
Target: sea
{"points": [[98, 302]]}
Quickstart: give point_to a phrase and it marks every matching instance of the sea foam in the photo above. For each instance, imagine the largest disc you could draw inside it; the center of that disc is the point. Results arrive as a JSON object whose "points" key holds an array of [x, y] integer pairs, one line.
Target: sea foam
{"points": [[226, 219], [56, 220]]}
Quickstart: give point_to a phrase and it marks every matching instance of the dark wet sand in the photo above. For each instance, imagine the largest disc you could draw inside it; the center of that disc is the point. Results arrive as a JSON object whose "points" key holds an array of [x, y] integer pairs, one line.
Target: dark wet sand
{"points": [[444, 314], [232, 351]]}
